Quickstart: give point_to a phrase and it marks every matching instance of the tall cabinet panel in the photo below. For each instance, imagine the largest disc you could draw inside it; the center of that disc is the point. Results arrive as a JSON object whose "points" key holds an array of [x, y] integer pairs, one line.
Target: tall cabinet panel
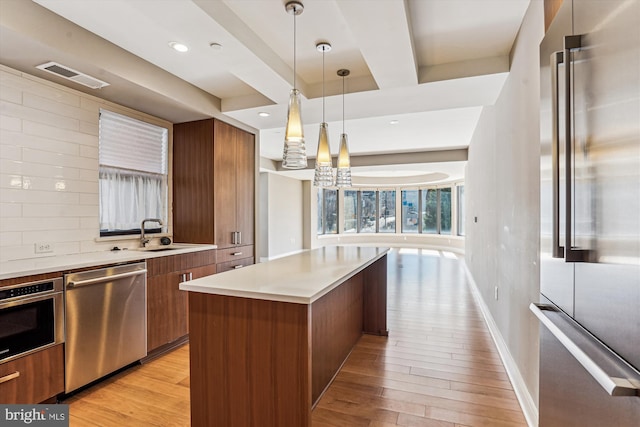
{"points": [[214, 185], [193, 182], [234, 167]]}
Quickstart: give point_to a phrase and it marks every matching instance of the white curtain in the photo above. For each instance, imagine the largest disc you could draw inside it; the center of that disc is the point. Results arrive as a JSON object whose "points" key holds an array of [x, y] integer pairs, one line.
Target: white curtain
{"points": [[127, 197]]}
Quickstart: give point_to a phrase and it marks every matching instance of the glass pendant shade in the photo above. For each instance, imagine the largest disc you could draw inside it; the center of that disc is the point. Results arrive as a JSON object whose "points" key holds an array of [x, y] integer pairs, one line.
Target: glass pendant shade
{"points": [[323, 176], [343, 172], [295, 154]]}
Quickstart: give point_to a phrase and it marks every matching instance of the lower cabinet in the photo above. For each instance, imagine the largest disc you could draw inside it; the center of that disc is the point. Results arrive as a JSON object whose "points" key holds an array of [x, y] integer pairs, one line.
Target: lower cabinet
{"points": [[33, 378], [166, 303]]}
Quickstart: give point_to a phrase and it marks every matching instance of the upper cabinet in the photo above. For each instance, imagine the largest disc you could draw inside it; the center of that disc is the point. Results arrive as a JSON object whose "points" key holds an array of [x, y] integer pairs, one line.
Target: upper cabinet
{"points": [[213, 184]]}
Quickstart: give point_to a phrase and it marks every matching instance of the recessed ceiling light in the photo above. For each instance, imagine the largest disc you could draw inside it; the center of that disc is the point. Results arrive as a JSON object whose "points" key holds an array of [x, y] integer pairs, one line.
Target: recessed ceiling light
{"points": [[178, 46], [215, 46], [394, 122], [263, 114]]}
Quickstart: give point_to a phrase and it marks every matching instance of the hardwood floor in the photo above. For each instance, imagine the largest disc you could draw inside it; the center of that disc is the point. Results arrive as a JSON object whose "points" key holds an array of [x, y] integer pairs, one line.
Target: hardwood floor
{"points": [[438, 367]]}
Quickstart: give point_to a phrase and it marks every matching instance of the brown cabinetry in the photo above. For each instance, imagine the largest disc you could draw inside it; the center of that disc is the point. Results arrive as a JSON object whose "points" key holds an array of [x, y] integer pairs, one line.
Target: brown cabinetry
{"points": [[213, 184], [33, 378], [166, 303]]}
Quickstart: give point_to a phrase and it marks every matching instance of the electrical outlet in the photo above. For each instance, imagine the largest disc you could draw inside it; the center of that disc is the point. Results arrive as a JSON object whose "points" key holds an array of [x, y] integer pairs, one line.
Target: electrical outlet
{"points": [[43, 248], [496, 292]]}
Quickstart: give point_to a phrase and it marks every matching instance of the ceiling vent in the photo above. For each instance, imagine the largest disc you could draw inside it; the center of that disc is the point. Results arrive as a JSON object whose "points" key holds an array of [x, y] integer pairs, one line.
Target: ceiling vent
{"points": [[73, 75]]}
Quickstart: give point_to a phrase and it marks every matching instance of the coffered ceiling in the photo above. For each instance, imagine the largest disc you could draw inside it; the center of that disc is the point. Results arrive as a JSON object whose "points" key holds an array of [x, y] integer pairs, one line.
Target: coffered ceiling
{"points": [[428, 65]]}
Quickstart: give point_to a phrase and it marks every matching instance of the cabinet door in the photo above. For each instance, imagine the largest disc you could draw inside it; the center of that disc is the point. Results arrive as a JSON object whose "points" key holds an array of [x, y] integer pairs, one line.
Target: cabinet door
{"points": [[166, 310], [193, 182], [225, 183], [245, 186]]}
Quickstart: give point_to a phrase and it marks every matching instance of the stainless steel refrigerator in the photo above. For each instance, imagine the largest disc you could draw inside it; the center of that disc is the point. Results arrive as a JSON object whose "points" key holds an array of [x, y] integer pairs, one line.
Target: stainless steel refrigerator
{"points": [[590, 216]]}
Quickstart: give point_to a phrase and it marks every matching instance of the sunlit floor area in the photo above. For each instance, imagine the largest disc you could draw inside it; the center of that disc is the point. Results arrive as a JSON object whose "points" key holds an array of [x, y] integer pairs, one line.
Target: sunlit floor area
{"points": [[438, 367]]}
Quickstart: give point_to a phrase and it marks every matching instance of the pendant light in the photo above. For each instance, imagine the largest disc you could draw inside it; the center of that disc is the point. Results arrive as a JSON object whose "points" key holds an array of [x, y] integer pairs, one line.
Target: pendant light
{"points": [[343, 172], [295, 154], [323, 176]]}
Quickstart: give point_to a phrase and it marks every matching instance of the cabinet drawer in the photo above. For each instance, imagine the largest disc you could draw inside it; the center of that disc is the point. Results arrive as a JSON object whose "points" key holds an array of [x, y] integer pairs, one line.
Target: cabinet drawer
{"points": [[231, 254], [33, 378], [233, 265]]}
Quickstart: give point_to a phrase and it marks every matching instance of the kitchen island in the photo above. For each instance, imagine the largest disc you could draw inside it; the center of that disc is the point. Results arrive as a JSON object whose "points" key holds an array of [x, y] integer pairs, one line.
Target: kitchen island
{"points": [[266, 340]]}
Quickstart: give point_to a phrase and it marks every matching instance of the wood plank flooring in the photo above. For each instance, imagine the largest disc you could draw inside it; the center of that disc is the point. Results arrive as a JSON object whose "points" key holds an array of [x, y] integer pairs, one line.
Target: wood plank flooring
{"points": [[438, 367]]}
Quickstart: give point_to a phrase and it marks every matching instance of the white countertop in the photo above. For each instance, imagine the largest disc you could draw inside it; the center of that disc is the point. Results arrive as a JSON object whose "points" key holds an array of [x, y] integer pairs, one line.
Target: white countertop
{"points": [[27, 267], [301, 278]]}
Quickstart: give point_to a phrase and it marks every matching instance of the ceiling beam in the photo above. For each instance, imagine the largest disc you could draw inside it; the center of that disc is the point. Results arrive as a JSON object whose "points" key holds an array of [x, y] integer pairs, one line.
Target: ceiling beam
{"points": [[388, 47]]}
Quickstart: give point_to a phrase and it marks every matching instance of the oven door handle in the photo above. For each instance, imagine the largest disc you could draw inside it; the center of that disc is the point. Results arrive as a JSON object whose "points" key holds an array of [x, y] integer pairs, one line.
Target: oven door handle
{"points": [[79, 283], [27, 299]]}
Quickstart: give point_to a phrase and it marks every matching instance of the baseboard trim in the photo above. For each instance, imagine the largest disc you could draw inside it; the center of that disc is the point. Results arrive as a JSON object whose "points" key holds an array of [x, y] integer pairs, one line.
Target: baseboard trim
{"points": [[527, 404]]}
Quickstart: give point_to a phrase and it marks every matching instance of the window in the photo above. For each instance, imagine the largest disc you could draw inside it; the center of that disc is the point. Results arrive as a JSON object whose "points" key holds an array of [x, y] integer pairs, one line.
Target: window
{"points": [[429, 211], [387, 211], [320, 211], [350, 211], [367, 212], [132, 173], [461, 212], [410, 211], [444, 201], [327, 211]]}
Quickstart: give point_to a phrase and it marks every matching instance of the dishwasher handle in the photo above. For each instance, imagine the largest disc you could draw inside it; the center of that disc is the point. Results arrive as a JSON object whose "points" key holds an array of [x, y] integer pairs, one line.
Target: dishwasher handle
{"points": [[86, 282]]}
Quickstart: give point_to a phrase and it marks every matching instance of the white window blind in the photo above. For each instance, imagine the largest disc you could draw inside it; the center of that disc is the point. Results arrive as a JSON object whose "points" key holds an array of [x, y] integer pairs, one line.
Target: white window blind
{"points": [[132, 144]]}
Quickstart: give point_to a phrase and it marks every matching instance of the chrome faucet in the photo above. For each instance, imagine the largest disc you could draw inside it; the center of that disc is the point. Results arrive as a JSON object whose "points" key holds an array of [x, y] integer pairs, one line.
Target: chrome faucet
{"points": [[144, 240]]}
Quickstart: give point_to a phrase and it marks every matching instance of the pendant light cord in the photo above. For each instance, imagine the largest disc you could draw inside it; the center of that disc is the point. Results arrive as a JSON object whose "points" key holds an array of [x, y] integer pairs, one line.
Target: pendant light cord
{"points": [[342, 104], [323, 121], [294, 49]]}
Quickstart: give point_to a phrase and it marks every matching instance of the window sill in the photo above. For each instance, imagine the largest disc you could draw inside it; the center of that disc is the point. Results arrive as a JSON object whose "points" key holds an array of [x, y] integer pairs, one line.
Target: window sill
{"points": [[130, 237]]}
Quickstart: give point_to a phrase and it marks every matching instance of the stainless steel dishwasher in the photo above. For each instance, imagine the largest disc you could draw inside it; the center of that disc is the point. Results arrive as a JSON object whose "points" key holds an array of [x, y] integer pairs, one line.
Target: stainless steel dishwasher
{"points": [[106, 322]]}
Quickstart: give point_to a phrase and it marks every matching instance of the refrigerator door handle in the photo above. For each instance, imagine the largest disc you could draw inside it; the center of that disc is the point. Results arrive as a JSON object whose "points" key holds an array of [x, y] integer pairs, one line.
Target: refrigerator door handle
{"points": [[571, 254], [614, 386], [557, 251]]}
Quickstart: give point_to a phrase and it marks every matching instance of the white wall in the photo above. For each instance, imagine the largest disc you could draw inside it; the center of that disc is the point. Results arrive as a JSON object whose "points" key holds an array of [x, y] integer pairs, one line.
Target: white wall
{"points": [[282, 200], [49, 167], [502, 191]]}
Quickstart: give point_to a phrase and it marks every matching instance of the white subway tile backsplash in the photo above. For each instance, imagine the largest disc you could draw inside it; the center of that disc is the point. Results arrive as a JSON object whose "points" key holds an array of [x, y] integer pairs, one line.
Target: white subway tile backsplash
{"points": [[90, 152], [53, 132], [10, 238], [53, 106], [26, 113], [8, 210], [33, 169], [90, 222], [70, 235], [92, 104], [89, 199], [27, 182], [10, 152], [34, 224], [10, 123], [43, 198], [30, 155], [90, 128], [80, 211], [88, 175], [11, 94], [36, 142]]}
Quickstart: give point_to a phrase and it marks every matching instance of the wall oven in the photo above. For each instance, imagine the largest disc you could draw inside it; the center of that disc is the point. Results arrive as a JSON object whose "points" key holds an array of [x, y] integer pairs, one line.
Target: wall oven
{"points": [[31, 317]]}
